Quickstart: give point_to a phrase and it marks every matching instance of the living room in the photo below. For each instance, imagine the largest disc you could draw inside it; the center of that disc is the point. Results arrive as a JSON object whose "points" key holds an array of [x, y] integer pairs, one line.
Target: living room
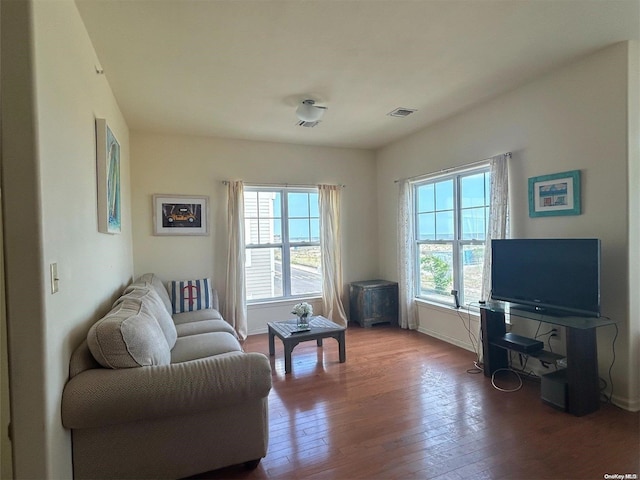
{"points": [[580, 115]]}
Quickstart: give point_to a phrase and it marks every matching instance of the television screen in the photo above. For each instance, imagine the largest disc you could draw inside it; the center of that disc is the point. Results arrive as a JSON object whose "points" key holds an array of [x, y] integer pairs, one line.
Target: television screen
{"points": [[555, 276]]}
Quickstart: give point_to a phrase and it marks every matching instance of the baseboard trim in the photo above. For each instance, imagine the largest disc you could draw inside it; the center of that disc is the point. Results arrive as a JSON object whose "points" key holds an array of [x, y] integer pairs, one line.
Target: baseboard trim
{"points": [[258, 331], [626, 403], [445, 338]]}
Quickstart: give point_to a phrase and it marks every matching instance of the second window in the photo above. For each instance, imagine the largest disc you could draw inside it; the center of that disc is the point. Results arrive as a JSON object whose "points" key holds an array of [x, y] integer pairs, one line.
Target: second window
{"points": [[282, 238]]}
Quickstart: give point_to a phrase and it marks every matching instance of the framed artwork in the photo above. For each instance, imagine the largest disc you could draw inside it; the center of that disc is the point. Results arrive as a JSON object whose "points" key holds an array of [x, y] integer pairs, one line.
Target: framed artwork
{"points": [[108, 177], [180, 215], [555, 194]]}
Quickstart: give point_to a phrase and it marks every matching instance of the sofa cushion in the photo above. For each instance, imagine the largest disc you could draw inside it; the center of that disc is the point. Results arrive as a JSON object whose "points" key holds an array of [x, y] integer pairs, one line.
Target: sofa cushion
{"points": [[190, 295], [197, 316], [128, 336], [161, 290], [205, 326], [147, 294], [193, 347]]}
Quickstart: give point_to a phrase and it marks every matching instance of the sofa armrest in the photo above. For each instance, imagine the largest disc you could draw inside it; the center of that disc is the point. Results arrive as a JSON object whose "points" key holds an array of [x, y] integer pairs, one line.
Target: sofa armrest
{"points": [[101, 396]]}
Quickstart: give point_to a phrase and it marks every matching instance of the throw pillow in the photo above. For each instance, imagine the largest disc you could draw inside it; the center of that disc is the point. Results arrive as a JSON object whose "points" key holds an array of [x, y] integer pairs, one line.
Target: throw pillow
{"points": [[190, 295], [149, 296], [128, 336]]}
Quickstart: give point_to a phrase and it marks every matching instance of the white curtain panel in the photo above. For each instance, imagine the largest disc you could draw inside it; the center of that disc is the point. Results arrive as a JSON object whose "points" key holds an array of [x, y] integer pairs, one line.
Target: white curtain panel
{"points": [[406, 265], [497, 228], [235, 308], [498, 211], [329, 204]]}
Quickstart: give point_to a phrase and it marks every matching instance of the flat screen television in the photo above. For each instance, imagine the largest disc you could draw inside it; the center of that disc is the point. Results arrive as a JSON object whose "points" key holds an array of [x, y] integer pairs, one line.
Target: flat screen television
{"points": [[556, 276]]}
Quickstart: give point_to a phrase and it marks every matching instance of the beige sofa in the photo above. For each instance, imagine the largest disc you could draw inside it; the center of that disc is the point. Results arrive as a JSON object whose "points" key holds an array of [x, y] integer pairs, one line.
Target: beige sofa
{"points": [[155, 395]]}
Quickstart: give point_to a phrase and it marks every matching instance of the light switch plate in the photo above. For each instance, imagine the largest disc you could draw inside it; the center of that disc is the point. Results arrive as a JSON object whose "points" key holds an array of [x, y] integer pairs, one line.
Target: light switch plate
{"points": [[54, 278]]}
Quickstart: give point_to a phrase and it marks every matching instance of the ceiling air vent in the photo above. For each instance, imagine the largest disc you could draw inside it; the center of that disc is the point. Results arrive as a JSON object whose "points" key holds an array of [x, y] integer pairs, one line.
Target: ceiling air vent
{"points": [[402, 112], [302, 123]]}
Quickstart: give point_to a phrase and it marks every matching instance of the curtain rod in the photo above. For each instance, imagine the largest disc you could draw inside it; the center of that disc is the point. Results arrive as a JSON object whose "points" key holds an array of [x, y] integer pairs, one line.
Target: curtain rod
{"points": [[450, 169], [281, 185]]}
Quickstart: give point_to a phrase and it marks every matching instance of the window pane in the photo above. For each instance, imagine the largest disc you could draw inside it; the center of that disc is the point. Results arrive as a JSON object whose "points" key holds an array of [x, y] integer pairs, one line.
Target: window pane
{"points": [[263, 271], [473, 224], [250, 231], [298, 204], [276, 203], [250, 204], [472, 193], [472, 265], [444, 226], [315, 229], [277, 230], [268, 231], [269, 204], [426, 226], [305, 270], [262, 218], [436, 270], [426, 202], [487, 186], [313, 205], [299, 230], [444, 195]]}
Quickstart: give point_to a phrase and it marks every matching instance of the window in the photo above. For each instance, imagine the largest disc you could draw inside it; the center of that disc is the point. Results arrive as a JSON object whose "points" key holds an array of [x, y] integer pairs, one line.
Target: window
{"points": [[451, 221], [282, 238]]}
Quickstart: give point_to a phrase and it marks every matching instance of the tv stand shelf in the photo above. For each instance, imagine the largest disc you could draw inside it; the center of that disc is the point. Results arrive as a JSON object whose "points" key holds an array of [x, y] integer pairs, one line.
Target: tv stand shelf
{"points": [[583, 385], [518, 343], [545, 356]]}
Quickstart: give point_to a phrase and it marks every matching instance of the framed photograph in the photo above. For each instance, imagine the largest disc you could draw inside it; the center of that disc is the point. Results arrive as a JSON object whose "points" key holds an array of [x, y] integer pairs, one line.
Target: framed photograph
{"points": [[555, 194], [108, 177], [180, 215]]}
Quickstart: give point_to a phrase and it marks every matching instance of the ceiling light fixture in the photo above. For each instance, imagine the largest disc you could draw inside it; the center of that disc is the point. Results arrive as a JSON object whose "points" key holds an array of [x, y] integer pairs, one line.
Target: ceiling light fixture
{"points": [[308, 111]]}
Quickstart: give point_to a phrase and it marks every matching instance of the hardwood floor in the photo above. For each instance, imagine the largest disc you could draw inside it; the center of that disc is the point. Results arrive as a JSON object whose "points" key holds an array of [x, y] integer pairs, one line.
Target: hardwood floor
{"points": [[404, 406]]}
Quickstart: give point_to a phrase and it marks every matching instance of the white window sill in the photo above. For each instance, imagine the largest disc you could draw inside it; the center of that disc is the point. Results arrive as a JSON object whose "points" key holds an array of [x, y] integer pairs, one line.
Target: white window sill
{"points": [[472, 312], [280, 302]]}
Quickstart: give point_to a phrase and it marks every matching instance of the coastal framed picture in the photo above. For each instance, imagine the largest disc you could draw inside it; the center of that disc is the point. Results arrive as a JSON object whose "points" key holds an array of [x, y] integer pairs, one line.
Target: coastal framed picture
{"points": [[555, 194], [108, 178], [180, 215]]}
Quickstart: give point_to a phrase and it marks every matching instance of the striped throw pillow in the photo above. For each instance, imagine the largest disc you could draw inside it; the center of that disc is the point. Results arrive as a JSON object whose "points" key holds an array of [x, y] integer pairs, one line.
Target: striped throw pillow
{"points": [[190, 295]]}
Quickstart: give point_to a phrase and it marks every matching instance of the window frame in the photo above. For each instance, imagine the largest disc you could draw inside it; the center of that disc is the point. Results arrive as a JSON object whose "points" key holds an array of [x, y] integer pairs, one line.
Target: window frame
{"points": [[285, 244], [457, 243]]}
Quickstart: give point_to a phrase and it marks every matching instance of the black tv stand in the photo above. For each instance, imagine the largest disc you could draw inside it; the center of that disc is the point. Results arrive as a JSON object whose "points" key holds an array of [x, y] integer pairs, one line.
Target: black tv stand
{"points": [[583, 385]]}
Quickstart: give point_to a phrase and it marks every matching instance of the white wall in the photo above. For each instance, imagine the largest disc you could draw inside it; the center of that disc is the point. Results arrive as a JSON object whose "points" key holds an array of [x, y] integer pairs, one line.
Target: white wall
{"points": [[49, 189], [187, 165], [574, 118]]}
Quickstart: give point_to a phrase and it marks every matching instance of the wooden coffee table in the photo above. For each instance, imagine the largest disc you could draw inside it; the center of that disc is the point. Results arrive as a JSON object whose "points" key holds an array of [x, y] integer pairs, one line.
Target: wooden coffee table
{"points": [[320, 328]]}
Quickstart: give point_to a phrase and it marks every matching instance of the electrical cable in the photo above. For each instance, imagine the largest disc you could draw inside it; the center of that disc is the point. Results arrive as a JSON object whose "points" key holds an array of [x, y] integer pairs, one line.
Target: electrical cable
{"points": [[613, 360], [553, 330], [527, 374], [609, 397], [475, 344], [493, 375]]}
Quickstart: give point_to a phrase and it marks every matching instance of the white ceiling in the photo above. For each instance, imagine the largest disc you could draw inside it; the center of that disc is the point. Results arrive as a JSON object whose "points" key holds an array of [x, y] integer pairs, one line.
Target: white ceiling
{"points": [[238, 68]]}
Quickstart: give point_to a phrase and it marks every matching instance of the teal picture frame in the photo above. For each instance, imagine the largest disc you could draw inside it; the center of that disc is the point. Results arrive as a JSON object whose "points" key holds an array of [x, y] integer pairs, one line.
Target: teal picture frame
{"points": [[554, 195], [108, 178]]}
